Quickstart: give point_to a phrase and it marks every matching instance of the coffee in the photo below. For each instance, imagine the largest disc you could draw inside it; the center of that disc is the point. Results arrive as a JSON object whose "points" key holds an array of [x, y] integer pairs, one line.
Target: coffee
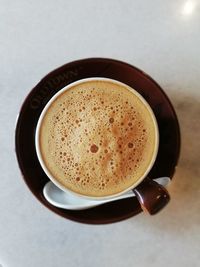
{"points": [[97, 138]]}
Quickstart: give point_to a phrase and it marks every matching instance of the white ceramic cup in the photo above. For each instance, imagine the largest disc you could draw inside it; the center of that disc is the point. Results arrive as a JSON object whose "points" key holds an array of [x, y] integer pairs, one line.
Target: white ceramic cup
{"points": [[37, 143]]}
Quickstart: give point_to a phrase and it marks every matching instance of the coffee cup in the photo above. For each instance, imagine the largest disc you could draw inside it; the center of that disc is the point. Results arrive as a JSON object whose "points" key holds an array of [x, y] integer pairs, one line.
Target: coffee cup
{"points": [[98, 138]]}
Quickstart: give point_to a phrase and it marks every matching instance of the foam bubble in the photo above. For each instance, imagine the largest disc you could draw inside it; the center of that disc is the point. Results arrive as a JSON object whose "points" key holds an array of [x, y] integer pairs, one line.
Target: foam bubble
{"points": [[130, 145], [94, 148], [111, 120]]}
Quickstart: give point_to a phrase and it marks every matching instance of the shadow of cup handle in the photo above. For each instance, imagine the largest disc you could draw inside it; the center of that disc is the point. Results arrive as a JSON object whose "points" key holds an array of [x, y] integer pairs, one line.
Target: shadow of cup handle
{"points": [[152, 196]]}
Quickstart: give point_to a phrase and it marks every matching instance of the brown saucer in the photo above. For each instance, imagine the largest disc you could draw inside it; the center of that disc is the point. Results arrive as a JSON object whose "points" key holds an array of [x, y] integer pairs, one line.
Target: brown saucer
{"points": [[169, 131]]}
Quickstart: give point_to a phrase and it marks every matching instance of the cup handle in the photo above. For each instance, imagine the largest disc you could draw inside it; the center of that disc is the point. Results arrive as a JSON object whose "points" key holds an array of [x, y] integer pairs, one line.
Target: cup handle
{"points": [[151, 195]]}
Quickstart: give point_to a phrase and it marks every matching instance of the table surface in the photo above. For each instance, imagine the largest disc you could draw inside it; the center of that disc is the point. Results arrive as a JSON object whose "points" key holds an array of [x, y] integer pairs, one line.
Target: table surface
{"points": [[160, 37]]}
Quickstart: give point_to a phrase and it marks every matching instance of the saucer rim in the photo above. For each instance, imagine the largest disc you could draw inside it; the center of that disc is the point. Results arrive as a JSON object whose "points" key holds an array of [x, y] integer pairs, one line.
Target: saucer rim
{"points": [[57, 70]]}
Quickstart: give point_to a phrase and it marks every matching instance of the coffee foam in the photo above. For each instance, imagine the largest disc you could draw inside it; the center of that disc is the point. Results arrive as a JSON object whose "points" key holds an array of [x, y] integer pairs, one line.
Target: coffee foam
{"points": [[97, 139]]}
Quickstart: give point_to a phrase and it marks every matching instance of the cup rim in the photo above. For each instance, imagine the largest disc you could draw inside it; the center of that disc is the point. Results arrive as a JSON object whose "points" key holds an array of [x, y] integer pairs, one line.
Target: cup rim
{"points": [[67, 87]]}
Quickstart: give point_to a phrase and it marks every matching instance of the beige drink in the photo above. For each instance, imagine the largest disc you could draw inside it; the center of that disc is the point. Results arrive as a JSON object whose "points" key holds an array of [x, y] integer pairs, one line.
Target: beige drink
{"points": [[97, 138]]}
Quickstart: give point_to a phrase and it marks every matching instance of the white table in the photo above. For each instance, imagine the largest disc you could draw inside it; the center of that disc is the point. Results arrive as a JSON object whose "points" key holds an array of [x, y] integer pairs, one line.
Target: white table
{"points": [[160, 37]]}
